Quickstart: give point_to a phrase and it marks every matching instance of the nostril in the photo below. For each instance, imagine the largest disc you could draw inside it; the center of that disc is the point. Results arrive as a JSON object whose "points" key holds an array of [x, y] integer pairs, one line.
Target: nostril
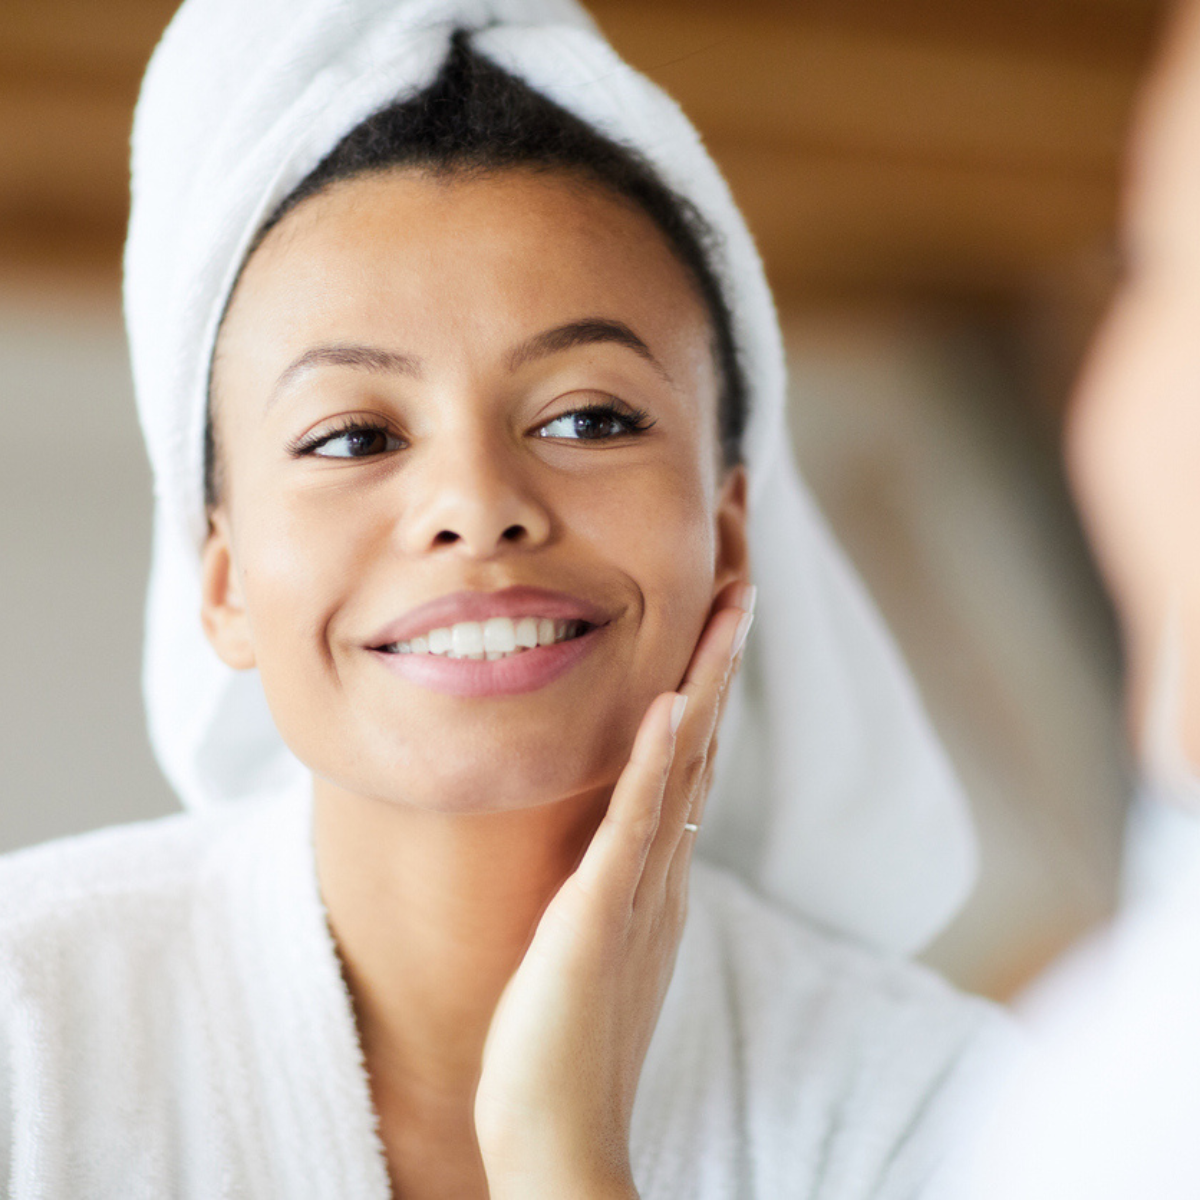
{"points": [[487, 538]]}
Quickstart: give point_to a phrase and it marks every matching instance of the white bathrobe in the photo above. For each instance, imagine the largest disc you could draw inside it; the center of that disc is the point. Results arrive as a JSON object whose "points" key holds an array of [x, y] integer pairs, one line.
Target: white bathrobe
{"points": [[173, 1023]]}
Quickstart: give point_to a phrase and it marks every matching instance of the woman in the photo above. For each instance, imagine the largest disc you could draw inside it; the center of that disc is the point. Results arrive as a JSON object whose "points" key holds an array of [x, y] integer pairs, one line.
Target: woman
{"points": [[457, 406]]}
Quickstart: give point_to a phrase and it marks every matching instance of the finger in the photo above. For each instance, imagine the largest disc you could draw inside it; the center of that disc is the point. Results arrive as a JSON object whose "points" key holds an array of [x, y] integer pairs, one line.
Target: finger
{"points": [[706, 687], [616, 856], [734, 600], [741, 605], [703, 685], [681, 861], [699, 799]]}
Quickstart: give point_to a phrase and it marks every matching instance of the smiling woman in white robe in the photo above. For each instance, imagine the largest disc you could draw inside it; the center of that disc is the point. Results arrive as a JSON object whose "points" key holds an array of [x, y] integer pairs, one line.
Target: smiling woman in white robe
{"points": [[463, 463]]}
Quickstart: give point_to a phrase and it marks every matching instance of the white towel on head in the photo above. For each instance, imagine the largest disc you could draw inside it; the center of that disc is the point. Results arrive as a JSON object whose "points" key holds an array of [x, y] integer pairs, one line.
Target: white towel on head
{"points": [[832, 797]]}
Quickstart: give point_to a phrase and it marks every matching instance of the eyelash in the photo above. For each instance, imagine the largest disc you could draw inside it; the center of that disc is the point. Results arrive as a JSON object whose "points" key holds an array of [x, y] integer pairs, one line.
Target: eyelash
{"points": [[310, 443], [632, 421]]}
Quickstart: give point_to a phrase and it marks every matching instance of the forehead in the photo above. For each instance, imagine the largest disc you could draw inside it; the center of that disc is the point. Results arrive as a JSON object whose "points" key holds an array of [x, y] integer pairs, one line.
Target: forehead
{"points": [[461, 264]]}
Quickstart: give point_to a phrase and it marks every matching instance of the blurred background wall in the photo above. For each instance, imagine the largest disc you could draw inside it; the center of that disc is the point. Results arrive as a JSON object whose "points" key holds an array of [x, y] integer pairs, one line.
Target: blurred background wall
{"points": [[934, 187]]}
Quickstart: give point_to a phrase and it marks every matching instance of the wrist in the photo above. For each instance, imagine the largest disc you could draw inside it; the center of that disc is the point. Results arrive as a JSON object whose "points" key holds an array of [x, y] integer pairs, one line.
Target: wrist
{"points": [[529, 1190], [557, 1189], [548, 1177]]}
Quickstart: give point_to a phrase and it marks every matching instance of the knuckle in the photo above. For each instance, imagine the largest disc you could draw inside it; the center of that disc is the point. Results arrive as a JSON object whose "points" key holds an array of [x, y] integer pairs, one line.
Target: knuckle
{"points": [[642, 827], [675, 913], [692, 769]]}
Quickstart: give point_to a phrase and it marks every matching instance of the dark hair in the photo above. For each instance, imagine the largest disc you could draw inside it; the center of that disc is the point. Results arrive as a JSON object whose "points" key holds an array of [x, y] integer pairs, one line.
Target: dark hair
{"points": [[476, 118]]}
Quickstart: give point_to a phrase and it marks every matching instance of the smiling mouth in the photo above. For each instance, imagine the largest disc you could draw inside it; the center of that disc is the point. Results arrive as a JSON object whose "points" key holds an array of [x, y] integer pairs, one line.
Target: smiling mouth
{"points": [[495, 638]]}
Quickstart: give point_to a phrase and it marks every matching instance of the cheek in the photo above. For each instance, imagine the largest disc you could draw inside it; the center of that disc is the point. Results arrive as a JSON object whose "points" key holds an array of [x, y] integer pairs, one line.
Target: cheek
{"points": [[294, 556], [658, 531], [299, 562]]}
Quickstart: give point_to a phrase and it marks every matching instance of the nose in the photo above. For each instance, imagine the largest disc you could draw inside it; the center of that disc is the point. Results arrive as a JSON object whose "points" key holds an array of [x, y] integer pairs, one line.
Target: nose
{"points": [[473, 495]]}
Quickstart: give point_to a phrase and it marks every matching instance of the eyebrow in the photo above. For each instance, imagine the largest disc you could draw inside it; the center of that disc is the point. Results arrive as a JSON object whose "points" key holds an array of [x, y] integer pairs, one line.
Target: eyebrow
{"points": [[362, 358], [590, 331]]}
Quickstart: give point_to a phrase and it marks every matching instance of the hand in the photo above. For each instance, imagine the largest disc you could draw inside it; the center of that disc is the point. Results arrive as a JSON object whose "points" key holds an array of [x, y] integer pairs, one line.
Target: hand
{"points": [[566, 1045]]}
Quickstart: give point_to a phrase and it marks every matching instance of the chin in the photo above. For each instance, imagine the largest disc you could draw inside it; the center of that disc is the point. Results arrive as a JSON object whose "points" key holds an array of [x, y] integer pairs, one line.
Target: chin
{"points": [[483, 782], [470, 795], [481, 776], [450, 758]]}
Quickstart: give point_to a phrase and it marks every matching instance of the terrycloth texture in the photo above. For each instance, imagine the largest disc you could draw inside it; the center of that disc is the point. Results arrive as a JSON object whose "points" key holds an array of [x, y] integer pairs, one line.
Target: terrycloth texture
{"points": [[832, 796], [173, 1023]]}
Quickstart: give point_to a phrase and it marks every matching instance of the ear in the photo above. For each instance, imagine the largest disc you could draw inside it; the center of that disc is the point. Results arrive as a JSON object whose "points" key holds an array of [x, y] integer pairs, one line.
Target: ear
{"points": [[732, 564], [222, 607]]}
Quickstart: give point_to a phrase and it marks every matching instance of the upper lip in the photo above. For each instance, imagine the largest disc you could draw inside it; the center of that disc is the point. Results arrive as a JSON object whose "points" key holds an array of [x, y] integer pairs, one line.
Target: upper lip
{"points": [[513, 602]]}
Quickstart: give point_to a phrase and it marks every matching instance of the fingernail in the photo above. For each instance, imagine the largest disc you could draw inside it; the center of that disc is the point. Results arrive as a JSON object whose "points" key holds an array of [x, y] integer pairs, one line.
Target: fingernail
{"points": [[743, 631], [748, 598], [677, 713]]}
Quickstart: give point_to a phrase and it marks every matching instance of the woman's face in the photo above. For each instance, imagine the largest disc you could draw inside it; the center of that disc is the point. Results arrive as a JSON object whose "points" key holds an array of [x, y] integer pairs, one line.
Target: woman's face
{"points": [[484, 406]]}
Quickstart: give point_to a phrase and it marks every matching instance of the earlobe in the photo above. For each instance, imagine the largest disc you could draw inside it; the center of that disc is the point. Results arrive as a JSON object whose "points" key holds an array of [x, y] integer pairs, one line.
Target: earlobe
{"points": [[732, 543], [222, 608]]}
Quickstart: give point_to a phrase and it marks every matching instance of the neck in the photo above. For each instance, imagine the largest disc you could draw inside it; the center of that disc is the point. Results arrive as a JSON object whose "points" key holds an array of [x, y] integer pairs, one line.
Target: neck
{"points": [[432, 913]]}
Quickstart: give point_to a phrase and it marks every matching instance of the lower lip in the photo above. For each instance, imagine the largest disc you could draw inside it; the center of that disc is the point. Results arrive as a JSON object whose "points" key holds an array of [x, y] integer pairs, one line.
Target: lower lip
{"points": [[524, 672]]}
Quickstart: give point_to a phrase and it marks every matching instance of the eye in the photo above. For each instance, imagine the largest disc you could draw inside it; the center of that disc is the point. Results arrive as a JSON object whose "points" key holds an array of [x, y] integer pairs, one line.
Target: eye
{"points": [[354, 439], [596, 423]]}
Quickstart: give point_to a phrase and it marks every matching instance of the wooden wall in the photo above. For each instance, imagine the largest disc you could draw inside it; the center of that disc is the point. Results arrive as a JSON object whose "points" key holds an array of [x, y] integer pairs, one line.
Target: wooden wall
{"points": [[947, 149]]}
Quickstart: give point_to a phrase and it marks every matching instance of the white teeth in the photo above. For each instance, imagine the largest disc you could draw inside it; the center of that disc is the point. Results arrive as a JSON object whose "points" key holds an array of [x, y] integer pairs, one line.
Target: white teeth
{"points": [[498, 637], [466, 639]]}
